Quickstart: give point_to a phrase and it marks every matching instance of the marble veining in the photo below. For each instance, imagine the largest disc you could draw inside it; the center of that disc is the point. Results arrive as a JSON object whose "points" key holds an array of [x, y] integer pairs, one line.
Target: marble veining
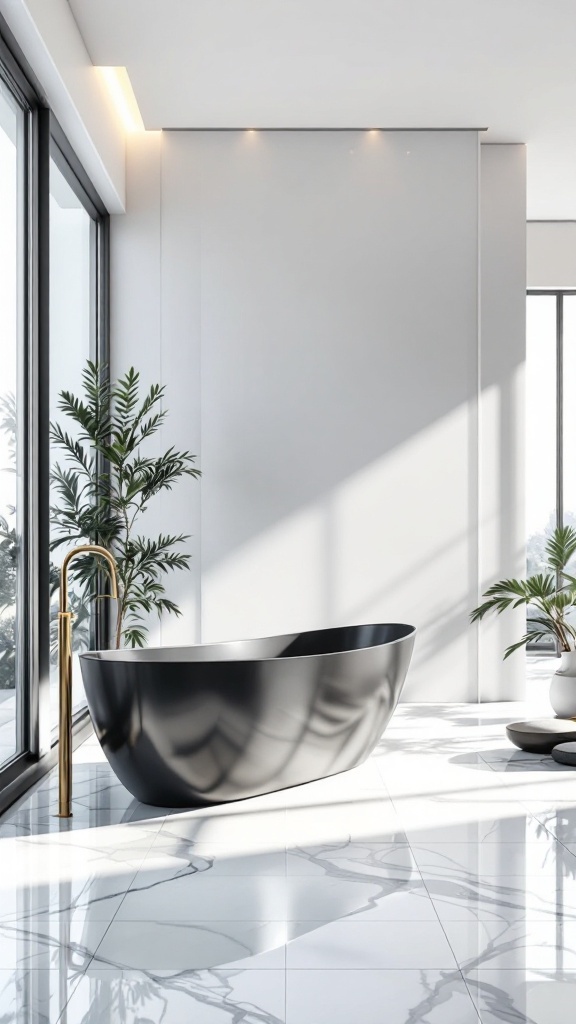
{"points": [[436, 884]]}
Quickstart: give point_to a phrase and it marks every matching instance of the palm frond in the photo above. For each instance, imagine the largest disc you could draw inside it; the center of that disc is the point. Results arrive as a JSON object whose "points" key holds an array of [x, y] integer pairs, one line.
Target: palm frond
{"points": [[135, 636], [73, 449], [125, 398], [513, 593], [532, 636], [561, 547]]}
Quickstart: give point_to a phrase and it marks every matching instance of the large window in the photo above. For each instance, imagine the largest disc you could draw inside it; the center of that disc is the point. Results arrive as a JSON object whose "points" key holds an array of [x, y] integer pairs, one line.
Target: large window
{"points": [[550, 421], [53, 316], [76, 229], [13, 152]]}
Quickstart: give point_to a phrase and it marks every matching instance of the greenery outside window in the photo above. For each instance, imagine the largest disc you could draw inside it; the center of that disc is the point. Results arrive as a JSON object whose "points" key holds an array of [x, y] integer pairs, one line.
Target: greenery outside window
{"points": [[550, 423]]}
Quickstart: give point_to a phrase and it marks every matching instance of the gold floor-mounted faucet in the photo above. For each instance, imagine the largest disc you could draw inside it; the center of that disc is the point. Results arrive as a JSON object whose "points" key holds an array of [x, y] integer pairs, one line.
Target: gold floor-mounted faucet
{"points": [[65, 672]]}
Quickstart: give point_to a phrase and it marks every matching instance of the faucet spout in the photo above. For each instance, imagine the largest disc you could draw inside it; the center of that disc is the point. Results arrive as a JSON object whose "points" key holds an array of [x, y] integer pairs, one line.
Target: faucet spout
{"points": [[89, 549], [65, 671]]}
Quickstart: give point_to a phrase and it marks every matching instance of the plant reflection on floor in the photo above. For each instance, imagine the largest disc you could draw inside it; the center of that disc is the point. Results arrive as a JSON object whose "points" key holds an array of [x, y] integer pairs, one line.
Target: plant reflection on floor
{"points": [[150, 999]]}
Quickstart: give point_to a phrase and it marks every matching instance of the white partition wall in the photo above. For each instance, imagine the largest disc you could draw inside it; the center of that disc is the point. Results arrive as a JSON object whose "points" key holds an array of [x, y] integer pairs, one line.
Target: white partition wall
{"points": [[501, 539], [154, 326], [311, 300], [551, 253], [339, 313]]}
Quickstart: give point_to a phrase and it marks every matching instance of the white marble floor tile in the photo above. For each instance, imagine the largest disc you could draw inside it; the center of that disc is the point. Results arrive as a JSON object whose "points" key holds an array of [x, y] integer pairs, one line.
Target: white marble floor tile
{"points": [[60, 902], [95, 841], [62, 858], [378, 997], [332, 899], [409, 904], [530, 770], [506, 751], [151, 817], [539, 787], [369, 945], [426, 817], [100, 892], [352, 900], [192, 945], [520, 829], [193, 897], [49, 944], [66, 873], [360, 783], [441, 804], [35, 996], [172, 853], [31, 822], [347, 859], [503, 898], [368, 819], [521, 996], [223, 996], [365, 776], [557, 817], [233, 825], [534, 945], [464, 859], [97, 783]]}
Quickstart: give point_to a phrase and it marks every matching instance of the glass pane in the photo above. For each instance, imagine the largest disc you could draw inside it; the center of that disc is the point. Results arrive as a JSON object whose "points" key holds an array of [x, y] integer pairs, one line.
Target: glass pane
{"points": [[540, 428], [569, 417], [70, 346], [11, 351], [570, 410]]}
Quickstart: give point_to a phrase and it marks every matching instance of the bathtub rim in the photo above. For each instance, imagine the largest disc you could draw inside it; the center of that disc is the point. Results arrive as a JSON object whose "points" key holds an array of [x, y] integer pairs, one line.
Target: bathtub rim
{"points": [[137, 654]]}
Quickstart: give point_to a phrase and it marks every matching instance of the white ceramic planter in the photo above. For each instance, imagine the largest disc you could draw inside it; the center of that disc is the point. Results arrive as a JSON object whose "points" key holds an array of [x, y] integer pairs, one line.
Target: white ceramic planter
{"points": [[563, 686]]}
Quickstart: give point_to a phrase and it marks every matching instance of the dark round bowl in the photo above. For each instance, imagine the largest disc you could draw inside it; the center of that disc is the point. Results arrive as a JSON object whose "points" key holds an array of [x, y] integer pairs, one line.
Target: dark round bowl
{"points": [[565, 753], [541, 735]]}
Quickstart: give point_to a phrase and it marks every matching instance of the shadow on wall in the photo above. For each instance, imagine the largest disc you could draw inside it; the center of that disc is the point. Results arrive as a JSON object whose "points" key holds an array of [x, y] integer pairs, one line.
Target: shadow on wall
{"points": [[320, 291], [395, 541]]}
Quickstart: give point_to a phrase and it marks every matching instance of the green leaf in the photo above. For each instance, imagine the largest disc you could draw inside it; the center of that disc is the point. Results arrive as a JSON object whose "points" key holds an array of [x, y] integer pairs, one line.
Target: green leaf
{"points": [[531, 636], [135, 636], [507, 593], [561, 547]]}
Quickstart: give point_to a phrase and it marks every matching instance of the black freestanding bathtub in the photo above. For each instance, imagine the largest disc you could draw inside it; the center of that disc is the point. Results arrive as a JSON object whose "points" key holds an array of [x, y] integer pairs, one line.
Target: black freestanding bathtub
{"points": [[214, 722]]}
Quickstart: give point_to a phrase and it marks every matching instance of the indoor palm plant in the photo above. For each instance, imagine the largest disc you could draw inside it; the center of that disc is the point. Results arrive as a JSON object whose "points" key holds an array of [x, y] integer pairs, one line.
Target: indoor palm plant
{"points": [[550, 598], [106, 486]]}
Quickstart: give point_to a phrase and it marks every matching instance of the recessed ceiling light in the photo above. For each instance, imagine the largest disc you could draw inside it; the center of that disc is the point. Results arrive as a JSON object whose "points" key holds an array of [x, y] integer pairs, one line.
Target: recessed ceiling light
{"points": [[120, 88]]}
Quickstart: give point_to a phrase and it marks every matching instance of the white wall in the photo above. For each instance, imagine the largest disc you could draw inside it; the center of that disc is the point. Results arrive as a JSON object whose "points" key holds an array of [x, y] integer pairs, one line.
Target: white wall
{"points": [[320, 291], [336, 375], [51, 42], [154, 328], [502, 532], [551, 254]]}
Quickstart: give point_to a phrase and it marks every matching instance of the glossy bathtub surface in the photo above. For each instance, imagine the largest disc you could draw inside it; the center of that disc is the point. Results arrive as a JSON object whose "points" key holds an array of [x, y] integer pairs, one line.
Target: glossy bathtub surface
{"points": [[217, 722]]}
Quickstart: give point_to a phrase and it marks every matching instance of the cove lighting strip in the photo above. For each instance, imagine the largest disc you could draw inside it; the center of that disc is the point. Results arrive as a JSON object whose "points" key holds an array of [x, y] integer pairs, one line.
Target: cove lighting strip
{"points": [[120, 88]]}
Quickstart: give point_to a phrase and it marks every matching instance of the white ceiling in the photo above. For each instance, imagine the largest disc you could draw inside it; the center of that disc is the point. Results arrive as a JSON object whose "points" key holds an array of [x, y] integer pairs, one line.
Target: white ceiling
{"points": [[508, 65]]}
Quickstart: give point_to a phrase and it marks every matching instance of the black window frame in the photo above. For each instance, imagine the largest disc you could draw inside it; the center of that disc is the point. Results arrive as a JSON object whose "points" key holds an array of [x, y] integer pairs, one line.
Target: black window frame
{"points": [[558, 294], [44, 138], [65, 159]]}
